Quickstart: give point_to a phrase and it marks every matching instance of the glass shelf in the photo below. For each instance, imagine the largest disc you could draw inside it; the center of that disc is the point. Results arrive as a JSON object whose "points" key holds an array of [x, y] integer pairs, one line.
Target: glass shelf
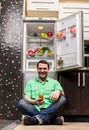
{"points": [[35, 39], [40, 57]]}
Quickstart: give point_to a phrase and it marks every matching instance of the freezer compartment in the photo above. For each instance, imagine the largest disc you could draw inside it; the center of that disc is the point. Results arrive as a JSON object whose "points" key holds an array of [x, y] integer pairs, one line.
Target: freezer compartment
{"points": [[69, 40], [31, 65]]}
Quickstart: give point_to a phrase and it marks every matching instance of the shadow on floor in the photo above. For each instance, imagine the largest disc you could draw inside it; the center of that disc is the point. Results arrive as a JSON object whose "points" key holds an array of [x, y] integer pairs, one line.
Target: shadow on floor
{"points": [[8, 124]]}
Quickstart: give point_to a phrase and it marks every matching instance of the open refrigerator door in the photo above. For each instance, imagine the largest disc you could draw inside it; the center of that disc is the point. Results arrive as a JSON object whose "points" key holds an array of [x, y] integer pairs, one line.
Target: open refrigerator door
{"points": [[69, 42]]}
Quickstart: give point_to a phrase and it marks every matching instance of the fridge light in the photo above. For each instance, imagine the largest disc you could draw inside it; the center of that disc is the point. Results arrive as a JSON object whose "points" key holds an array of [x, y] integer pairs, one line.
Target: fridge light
{"points": [[40, 27]]}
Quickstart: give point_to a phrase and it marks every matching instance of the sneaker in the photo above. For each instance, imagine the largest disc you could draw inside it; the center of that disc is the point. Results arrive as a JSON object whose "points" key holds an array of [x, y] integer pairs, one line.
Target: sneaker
{"points": [[58, 120], [28, 120]]}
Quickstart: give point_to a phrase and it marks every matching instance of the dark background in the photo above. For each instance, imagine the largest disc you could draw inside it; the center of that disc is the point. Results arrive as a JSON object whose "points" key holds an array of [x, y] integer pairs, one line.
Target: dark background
{"points": [[11, 26]]}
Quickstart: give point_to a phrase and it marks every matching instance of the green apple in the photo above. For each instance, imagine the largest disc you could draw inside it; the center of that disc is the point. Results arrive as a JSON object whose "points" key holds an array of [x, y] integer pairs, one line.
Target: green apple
{"points": [[42, 34]]}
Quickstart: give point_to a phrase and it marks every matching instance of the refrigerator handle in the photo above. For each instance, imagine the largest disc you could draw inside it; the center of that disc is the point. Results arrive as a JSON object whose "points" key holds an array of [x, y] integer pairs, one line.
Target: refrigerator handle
{"points": [[83, 79], [78, 79]]}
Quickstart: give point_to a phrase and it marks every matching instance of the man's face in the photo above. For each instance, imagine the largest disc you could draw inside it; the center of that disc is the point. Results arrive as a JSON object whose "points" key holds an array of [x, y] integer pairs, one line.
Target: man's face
{"points": [[43, 70]]}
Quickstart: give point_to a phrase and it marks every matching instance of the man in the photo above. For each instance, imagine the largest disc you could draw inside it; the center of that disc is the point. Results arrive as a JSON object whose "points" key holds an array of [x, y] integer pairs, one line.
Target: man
{"points": [[43, 100]]}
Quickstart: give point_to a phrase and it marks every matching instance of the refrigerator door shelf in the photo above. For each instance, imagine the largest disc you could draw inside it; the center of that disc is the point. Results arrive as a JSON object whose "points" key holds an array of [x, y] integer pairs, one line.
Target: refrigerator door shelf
{"points": [[69, 40]]}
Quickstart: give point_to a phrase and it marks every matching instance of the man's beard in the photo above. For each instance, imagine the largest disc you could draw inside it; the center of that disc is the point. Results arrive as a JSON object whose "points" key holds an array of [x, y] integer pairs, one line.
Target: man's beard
{"points": [[43, 76]]}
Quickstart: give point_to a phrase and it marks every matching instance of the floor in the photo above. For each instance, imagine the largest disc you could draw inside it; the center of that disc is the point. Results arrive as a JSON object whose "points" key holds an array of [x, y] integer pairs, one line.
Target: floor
{"points": [[4, 123], [66, 126], [8, 124]]}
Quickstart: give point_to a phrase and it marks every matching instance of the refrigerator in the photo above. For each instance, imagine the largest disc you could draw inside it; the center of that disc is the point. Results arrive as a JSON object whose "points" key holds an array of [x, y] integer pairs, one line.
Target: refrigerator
{"points": [[59, 41]]}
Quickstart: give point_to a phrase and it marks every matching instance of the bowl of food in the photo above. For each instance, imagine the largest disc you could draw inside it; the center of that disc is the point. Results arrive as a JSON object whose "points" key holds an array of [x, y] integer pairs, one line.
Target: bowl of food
{"points": [[31, 53], [40, 52]]}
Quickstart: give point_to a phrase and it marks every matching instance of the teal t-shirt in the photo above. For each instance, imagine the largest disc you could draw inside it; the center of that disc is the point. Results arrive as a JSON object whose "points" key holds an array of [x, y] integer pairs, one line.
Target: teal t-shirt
{"points": [[35, 87]]}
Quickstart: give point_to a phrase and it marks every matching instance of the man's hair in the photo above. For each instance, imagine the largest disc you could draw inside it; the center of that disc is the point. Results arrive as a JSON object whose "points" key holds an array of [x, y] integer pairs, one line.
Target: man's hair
{"points": [[43, 62]]}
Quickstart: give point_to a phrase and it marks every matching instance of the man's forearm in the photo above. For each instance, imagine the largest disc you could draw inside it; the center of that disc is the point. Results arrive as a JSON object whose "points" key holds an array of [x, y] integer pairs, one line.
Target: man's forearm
{"points": [[29, 99]]}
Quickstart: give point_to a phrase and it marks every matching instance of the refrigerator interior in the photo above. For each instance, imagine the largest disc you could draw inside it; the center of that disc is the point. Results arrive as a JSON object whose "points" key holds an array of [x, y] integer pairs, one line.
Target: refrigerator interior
{"points": [[38, 35]]}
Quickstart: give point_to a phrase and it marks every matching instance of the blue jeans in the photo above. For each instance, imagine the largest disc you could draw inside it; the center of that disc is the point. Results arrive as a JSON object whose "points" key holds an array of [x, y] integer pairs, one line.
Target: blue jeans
{"points": [[53, 110]]}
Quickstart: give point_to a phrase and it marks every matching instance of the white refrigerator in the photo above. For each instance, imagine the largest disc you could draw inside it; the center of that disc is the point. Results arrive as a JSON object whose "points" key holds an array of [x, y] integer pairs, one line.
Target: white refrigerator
{"points": [[60, 42]]}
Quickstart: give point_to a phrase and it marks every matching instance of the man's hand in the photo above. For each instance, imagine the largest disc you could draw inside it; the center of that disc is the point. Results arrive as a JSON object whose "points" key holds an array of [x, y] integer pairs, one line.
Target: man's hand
{"points": [[55, 95], [38, 101]]}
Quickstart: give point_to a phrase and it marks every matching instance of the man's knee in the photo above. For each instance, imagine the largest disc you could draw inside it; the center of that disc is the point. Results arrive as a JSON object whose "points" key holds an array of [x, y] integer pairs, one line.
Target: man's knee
{"points": [[21, 103], [62, 99]]}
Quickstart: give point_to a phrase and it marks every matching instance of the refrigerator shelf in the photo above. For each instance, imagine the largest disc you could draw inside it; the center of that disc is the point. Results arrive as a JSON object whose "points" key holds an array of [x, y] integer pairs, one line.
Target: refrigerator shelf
{"points": [[36, 39], [40, 56]]}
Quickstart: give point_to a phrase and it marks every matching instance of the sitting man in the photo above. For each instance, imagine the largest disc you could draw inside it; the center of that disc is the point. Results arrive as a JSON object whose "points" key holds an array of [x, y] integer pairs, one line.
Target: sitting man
{"points": [[43, 100]]}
